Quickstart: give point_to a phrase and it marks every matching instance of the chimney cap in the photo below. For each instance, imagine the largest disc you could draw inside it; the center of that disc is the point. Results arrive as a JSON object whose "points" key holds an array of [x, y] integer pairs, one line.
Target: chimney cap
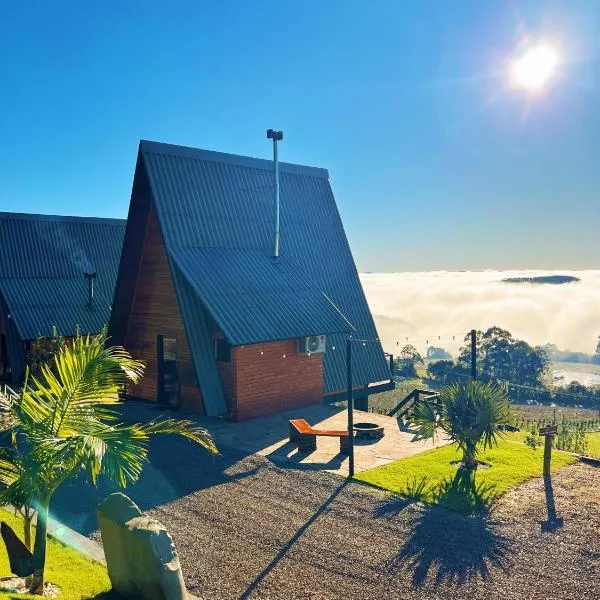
{"points": [[274, 135], [90, 275]]}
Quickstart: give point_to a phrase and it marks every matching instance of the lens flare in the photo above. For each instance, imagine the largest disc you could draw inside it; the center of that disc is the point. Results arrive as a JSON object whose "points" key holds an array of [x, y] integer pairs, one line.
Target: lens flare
{"points": [[535, 67]]}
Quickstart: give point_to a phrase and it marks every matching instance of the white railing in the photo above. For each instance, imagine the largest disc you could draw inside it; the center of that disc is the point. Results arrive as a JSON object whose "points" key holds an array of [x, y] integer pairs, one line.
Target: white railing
{"points": [[8, 394]]}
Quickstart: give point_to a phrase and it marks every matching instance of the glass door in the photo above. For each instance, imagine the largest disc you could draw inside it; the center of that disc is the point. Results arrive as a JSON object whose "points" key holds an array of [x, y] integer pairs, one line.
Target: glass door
{"points": [[168, 375]]}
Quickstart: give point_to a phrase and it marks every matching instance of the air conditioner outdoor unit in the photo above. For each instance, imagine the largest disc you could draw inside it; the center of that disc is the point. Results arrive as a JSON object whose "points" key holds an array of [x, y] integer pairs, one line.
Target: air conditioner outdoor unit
{"points": [[313, 344]]}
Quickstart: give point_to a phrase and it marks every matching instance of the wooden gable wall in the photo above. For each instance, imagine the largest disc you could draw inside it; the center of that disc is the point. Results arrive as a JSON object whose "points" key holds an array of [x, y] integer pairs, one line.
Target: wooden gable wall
{"points": [[155, 311]]}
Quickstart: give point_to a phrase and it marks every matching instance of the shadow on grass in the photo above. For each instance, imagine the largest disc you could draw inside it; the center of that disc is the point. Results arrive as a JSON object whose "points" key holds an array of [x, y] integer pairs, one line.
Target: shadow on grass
{"points": [[415, 492], [446, 546]]}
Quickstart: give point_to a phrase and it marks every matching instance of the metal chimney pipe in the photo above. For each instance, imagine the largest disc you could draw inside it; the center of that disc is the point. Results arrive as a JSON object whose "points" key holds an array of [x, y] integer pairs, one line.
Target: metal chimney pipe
{"points": [[276, 136], [90, 280]]}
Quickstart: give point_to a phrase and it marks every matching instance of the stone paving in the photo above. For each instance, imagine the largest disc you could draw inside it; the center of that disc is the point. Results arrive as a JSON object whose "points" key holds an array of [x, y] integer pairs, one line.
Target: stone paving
{"points": [[268, 436]]}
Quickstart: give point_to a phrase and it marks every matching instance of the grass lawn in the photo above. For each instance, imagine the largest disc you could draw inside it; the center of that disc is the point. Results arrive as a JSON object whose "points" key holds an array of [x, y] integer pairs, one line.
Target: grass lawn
{"points": [[77, 577], [431, 477]]}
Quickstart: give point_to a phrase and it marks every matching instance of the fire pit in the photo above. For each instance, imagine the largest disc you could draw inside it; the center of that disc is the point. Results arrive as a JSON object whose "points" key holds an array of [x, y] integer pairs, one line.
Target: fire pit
{"points": [[368, 431]]}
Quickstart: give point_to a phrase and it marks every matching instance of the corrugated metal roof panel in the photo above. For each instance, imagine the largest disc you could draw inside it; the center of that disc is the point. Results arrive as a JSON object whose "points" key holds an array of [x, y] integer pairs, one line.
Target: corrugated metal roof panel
{"points": [[42, 262], [210, 200], [37, 304], [201, 346], [254, 298]]}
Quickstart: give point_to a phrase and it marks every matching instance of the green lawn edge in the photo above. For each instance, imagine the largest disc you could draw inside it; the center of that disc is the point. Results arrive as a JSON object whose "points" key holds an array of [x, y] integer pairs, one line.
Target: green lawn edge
{"points": [[78, 577], [430, 477]]}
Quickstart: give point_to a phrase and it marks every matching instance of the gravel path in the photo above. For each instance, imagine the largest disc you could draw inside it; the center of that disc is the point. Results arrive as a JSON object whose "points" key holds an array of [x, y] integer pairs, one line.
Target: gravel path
{"points": [[246, 528]]}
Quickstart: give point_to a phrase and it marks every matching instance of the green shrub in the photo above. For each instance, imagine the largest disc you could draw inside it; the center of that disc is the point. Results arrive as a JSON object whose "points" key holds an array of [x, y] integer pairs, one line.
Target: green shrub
{"points": [[533, 438]]}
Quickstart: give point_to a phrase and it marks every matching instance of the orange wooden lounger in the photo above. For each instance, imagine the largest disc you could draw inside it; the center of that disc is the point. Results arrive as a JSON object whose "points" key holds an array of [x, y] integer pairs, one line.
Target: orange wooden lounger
{"points": [[306, 436]]}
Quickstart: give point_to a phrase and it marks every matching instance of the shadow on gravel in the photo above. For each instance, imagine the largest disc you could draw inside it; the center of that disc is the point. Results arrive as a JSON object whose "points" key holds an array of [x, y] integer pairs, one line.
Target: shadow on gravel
{"points": [[176, 468], [553, 522], [289, 545], [448, 547]]}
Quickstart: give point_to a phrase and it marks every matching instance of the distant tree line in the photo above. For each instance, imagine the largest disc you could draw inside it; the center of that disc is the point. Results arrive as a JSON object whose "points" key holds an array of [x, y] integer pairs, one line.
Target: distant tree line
{"points": [[514, 364], [558, 355]]}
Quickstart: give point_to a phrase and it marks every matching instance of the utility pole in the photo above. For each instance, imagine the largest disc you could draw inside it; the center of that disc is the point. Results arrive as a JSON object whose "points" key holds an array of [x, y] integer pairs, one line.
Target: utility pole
{"points": [[473, 354], [350, 408]]}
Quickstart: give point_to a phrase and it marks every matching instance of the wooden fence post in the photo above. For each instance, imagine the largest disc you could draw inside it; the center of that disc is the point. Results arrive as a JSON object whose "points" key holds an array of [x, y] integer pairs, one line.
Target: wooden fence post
{"points": [[548, 433]]}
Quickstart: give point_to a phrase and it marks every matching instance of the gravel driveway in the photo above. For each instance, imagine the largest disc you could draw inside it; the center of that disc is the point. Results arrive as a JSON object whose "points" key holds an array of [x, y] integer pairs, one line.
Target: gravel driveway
{"points": [[245, 528]]}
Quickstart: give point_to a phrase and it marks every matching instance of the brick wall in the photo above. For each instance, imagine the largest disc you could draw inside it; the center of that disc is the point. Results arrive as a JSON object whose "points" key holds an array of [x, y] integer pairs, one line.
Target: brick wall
{"points": [[260, 380]]}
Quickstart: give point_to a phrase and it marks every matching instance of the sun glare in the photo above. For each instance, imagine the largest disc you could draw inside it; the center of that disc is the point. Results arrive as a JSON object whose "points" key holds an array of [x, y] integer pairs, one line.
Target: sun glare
{"points": [[535, 67]]}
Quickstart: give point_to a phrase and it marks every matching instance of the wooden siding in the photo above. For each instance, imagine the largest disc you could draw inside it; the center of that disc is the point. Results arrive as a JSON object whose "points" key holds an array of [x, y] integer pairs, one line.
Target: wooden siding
{"points": [[131, 256], [155, 311], [270, 377]]}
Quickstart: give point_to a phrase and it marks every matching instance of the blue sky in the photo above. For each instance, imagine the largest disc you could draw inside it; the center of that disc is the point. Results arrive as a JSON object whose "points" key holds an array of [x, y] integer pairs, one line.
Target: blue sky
{"points": [[435, 162]]}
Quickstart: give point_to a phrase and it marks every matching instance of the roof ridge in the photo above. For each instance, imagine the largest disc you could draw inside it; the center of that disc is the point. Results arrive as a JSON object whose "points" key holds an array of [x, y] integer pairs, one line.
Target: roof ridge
{"points": [[151, 147], [68, 218]]}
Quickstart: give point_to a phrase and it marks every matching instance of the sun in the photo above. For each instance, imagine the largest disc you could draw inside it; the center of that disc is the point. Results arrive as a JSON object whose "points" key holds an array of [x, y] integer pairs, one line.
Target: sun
{"points": [[534, 68]]}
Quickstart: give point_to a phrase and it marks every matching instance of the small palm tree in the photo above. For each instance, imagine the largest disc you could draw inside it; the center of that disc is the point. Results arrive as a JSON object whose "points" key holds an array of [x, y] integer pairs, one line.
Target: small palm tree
{"points": [[64, 423], [469, 413]]}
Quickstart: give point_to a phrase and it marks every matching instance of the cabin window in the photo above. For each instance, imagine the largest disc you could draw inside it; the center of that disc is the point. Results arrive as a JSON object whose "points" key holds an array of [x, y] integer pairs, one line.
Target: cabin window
{"points": [[222, 350], [169, 349]]}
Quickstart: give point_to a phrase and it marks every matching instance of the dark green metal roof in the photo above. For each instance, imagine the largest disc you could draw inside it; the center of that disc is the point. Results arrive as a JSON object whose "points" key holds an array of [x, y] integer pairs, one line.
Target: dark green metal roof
{"points": [[216, 213], [255, 298], [42, 262]]}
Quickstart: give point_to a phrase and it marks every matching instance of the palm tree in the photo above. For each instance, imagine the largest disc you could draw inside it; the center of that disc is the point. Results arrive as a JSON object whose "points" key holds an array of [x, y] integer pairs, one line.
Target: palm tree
{"points": [[64, 423], [470, 415]]}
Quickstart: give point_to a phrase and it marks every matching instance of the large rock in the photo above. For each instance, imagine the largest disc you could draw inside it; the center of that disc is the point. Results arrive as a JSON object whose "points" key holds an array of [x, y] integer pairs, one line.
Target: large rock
{"points": [[140, 555]]}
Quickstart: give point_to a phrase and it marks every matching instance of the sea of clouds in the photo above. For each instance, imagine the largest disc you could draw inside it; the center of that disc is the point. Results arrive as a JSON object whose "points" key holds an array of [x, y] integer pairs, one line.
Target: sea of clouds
{"points": [[423, 306]]}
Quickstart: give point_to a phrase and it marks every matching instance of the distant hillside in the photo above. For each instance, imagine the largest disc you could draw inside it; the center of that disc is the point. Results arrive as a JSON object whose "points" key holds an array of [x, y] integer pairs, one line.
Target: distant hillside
{"points": [[552, 279]]}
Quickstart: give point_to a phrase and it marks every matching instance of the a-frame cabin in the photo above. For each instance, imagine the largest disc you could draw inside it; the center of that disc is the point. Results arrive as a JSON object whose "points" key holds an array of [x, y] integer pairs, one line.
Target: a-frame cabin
{"points": [[225, 328]]}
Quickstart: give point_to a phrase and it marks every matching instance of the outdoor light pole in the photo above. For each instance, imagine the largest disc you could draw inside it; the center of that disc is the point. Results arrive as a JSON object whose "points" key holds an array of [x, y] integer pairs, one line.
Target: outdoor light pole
{"points": [[350, 408]]}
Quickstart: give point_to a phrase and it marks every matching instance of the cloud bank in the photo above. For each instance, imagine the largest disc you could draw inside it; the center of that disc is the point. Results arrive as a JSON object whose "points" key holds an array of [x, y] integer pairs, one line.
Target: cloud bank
{"points": [[423, 306]]}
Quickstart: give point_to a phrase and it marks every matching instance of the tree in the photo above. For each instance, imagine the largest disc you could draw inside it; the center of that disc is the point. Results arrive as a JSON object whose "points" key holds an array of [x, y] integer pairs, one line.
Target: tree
{"points": [[470, 414], [440, 370], [409, 357], [596, 357], [434, 352], [409, 352], [500, 357], [64, 423]]}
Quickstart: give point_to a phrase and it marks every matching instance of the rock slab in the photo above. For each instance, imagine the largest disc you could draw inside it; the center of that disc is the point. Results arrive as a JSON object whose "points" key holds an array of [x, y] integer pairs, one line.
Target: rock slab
{"points": [[140, 555]]}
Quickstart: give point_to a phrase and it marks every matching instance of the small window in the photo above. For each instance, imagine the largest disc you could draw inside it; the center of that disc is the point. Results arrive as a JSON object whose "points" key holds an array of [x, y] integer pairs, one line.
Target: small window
{"points": [[169, 349], [222, 350]]}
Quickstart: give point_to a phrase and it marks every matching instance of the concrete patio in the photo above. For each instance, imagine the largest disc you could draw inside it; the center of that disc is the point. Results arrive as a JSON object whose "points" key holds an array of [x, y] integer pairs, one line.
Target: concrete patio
{"points": [[268, 437]]}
